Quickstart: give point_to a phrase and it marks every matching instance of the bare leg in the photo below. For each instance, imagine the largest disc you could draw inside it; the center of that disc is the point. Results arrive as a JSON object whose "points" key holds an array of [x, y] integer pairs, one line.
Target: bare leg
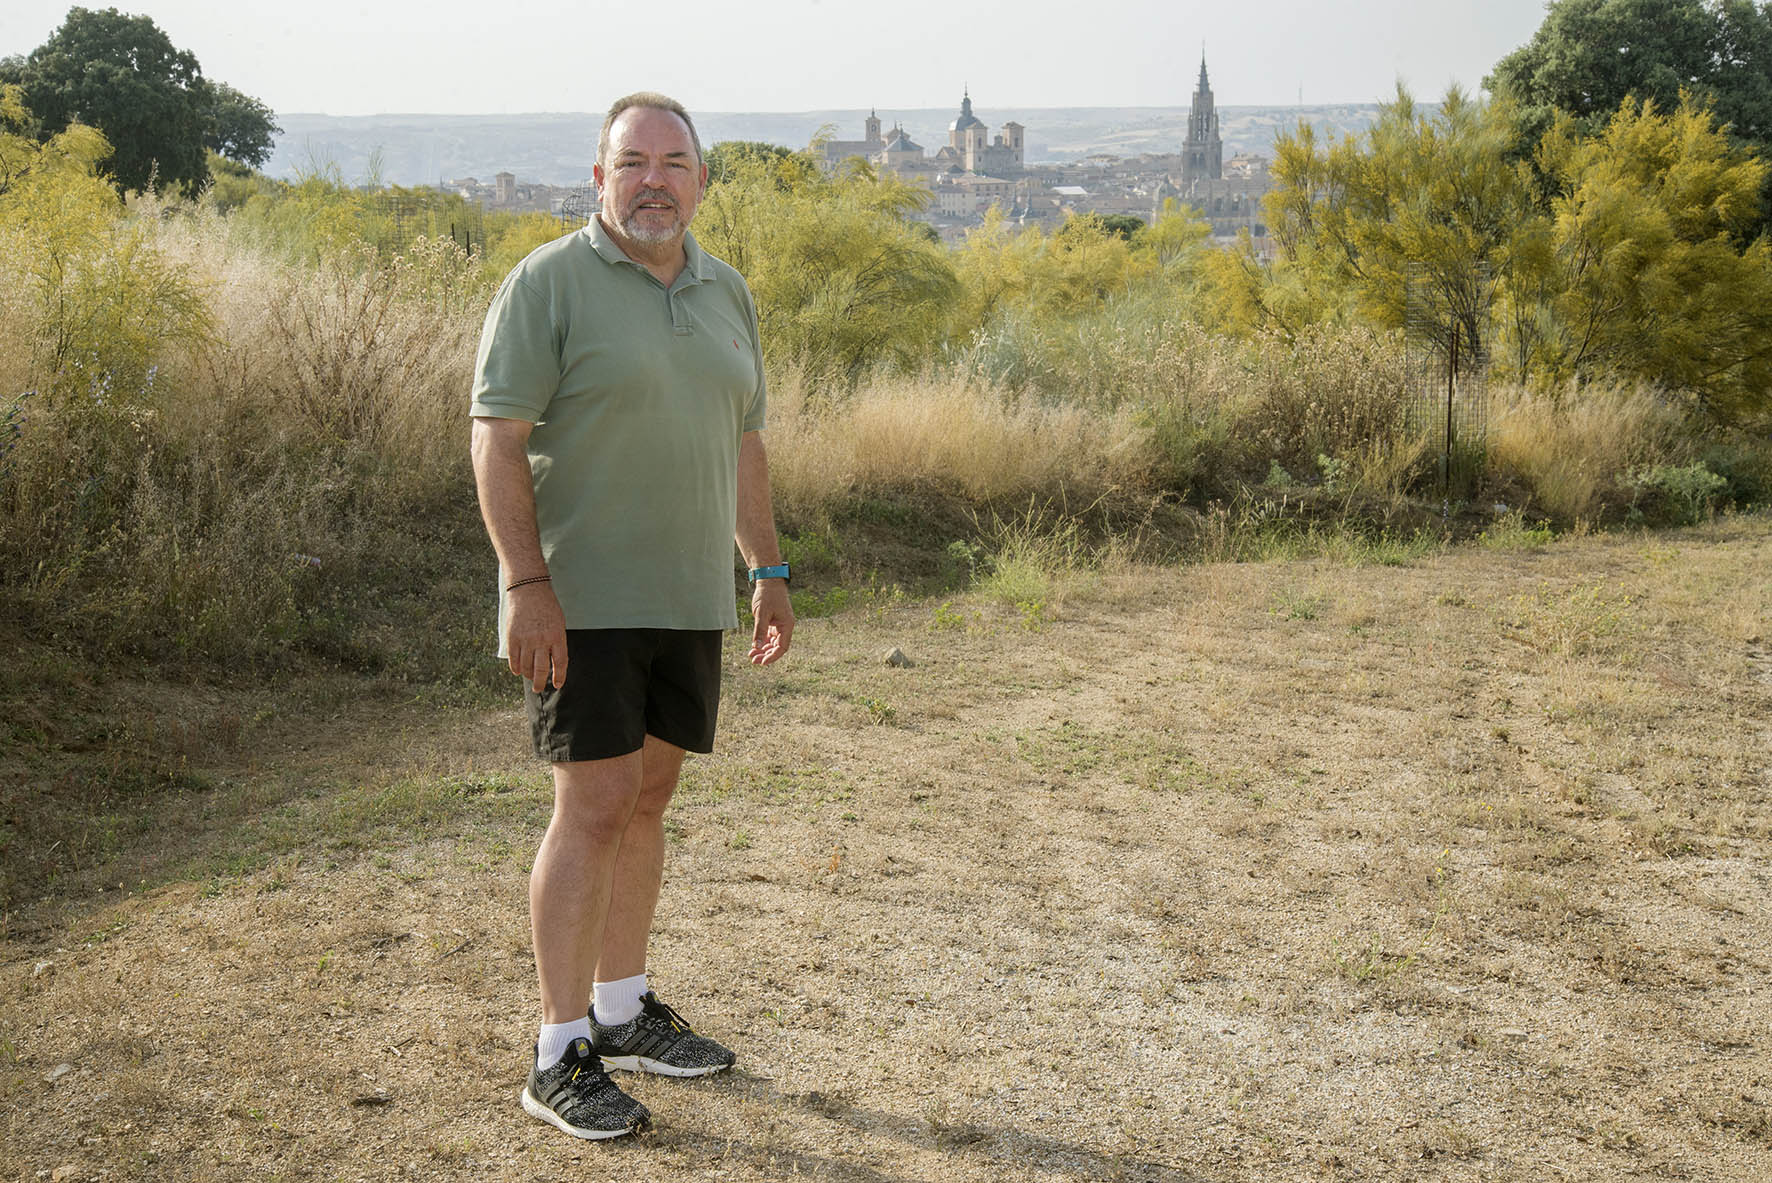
{"points": [[570, 887], [639, 866]]}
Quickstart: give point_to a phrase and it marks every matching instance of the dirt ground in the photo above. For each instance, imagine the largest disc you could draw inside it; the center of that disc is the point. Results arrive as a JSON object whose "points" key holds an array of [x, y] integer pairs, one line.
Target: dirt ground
{"points": [[1291, 871]]}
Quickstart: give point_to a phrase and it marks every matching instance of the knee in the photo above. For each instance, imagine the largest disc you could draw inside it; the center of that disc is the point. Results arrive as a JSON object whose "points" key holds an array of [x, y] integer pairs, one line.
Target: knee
{"points": [[595, 824], [654, 798]]}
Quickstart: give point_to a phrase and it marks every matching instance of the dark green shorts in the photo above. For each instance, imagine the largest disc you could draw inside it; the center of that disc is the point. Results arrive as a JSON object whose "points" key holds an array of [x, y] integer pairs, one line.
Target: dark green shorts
{"points": [[623, 684]]}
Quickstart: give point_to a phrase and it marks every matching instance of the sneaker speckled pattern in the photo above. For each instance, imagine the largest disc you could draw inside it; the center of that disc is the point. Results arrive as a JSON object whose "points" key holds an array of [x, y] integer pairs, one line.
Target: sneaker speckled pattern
{"points": [[658, 1040], [577, 1096]]}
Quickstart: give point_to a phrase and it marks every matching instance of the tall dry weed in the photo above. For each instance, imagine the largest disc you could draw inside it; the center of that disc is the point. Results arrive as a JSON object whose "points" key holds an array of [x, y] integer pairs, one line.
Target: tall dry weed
{"points": [[1576, 447], [290, 477], [946, 433], [1220, 409]]}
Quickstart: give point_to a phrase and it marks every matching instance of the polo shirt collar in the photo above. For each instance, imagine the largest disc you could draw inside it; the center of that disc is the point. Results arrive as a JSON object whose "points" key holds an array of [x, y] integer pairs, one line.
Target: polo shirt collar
{"points": [[695, 259]]}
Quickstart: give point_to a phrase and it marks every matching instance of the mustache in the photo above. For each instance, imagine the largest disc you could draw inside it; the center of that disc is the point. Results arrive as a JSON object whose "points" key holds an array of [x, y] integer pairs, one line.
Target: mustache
{"points": [[653, 195]]}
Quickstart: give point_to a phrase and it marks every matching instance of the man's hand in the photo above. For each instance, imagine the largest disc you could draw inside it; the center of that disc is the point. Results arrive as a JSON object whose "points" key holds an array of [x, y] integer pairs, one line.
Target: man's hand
{"points": [[535, 635], [775, 621]]}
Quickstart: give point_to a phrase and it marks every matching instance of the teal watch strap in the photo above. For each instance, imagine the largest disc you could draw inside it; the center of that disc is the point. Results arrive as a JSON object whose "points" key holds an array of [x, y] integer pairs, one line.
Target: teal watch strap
{"points": [[779, 571]]}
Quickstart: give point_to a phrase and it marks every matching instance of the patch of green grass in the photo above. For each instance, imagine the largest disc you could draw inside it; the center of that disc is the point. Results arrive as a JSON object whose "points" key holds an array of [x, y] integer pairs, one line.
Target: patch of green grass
{"points": [[1512, 533], [1572, 622], [946, 616], [410, 804], [1291, 603], [1032, 560], [811, 551]]}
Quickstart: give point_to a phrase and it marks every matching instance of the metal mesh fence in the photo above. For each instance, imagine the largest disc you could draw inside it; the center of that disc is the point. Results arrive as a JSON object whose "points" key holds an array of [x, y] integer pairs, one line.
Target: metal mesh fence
{"points": [[579, 206], [1449, 372], [405, 215]]}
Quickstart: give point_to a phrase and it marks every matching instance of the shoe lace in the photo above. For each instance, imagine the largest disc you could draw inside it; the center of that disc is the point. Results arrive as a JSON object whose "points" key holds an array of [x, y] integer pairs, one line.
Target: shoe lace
{"points": [[662, 1011]]}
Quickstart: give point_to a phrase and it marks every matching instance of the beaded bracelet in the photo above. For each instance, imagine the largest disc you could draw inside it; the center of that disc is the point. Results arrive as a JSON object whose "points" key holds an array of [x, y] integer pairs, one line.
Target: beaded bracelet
{"points": [[530, 580]]}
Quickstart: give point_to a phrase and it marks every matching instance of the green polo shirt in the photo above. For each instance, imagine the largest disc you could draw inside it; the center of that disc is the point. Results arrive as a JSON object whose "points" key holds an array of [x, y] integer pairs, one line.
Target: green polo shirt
{"points": [[639, 395]]}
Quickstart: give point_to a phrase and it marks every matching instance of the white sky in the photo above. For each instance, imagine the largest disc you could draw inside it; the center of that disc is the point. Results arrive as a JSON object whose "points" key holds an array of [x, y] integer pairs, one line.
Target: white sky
{"points": [[364, 57]]}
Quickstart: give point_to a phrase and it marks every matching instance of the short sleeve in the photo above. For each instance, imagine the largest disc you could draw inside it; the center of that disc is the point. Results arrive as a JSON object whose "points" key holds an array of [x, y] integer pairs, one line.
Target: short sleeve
{"points": [[757, 408], [517, 369]]}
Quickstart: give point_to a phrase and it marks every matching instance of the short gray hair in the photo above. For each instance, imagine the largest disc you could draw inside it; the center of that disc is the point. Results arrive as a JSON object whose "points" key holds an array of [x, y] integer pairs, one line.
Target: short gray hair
{"points": [[645, 98]]}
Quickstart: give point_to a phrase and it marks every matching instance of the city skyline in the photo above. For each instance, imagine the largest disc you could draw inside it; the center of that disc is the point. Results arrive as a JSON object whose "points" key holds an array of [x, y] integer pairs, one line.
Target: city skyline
{"points": [[340, 57]]}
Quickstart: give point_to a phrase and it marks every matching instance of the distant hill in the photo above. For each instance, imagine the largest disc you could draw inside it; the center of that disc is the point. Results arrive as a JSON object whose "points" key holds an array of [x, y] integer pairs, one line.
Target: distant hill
{"points": [[559, 148]]}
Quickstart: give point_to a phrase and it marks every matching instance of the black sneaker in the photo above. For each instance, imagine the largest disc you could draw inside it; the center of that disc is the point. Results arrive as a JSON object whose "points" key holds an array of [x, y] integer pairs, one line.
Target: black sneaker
{"points": [[577, 1095], [658, 1039]]}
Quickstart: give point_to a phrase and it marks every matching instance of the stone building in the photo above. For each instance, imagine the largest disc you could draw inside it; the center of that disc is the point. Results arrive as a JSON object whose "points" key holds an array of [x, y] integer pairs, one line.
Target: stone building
{"points": [[902, 154], [1202, 154], [1227, 197], [868, 147], [970, 148]]}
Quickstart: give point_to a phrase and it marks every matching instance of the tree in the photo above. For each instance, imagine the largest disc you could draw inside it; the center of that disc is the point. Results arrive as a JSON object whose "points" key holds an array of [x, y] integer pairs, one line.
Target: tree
{"points": [[1426, 201], [1124, 225], [240, 127], [1642, 272], [99, 302], [728, 157], [122, 75], [1589, 56], [843, 280]]}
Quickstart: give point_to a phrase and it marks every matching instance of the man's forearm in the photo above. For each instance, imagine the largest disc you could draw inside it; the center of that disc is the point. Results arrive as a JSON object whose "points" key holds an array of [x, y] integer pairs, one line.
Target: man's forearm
{"points": [[756, 536], [507, 497]]}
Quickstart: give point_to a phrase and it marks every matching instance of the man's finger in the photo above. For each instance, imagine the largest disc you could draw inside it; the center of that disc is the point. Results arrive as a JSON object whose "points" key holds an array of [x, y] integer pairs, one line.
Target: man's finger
{"points": [[558, 651]]}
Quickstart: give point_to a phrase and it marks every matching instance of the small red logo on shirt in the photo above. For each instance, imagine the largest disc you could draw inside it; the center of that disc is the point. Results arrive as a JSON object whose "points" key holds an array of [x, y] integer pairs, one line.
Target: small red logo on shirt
{"points": [[735, 344]]}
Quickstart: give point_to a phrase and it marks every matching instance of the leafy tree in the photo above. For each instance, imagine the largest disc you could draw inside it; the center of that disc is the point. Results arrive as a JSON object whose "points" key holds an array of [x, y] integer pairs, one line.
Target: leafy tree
{"points": [[1175, 238], [240, 127], [100, 303], [1641, 272], [843, 279], [123, 76], [1007, 271], [1426, 202], [1589, 56], [1124, 225], [726, 159]]}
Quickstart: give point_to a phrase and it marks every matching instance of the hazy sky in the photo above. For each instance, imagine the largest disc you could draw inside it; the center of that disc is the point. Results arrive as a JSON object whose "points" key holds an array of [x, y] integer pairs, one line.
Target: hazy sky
{"points": [[362, 57]]}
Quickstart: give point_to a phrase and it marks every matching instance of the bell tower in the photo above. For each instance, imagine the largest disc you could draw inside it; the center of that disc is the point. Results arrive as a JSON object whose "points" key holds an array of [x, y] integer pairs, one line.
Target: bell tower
{"points": [[1203, 153]]}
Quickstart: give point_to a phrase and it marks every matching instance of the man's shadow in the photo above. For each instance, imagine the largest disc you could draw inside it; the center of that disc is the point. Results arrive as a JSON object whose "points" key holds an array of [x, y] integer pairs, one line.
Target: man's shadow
{"points": [[1014, 1149]]}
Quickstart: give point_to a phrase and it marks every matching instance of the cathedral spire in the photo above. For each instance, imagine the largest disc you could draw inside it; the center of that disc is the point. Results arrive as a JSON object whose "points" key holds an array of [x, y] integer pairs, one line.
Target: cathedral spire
{"points": [[1203, 150]]}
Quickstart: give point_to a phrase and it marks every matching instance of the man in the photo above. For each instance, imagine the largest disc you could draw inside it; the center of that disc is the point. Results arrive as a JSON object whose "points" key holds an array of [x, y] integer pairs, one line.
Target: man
{"points": [[618, 400]]}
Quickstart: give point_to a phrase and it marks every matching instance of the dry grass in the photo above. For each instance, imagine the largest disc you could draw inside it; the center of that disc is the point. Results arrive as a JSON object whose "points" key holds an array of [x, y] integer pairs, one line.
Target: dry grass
{"points": [[1283, 871], [948, 434], [1576, 449]]}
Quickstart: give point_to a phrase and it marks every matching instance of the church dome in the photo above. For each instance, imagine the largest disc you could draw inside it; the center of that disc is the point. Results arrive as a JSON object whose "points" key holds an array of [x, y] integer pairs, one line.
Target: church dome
{"points": [[967, 119]]}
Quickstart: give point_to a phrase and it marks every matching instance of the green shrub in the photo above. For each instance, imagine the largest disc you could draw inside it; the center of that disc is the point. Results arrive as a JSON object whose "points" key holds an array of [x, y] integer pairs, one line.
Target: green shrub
{"points": [[1678, 495]]}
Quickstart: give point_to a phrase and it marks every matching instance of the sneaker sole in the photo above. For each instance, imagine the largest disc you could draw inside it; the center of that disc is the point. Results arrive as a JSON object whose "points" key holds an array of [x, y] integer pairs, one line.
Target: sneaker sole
{"points": [[535, 1108], [656, 1067]]}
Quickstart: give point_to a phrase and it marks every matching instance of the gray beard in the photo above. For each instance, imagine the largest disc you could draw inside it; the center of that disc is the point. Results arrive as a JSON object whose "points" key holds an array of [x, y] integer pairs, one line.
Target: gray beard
{"points": [[630, 227]]}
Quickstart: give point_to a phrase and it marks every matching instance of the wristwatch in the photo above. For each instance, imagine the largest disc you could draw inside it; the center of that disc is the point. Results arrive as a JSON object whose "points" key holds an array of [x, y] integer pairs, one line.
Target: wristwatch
{"points": [[779, 571]]}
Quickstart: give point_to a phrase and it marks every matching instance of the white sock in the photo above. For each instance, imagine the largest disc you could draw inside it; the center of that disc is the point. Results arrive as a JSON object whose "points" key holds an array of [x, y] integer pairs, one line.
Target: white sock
{"points": [[617, 1002], [550, 1047]]}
